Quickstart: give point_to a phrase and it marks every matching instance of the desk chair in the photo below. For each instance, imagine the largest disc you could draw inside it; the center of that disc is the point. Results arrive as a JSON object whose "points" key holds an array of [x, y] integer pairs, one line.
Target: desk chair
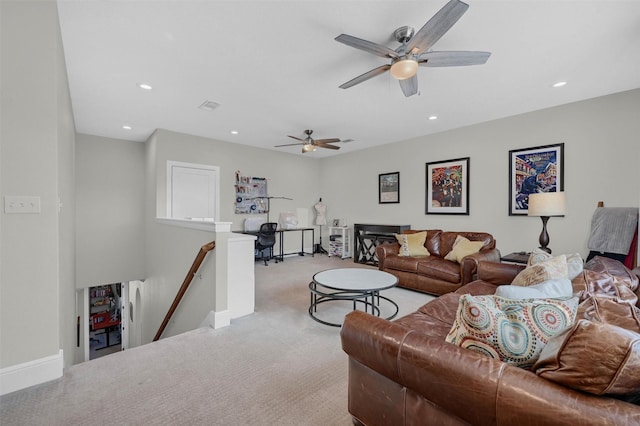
{"points": [[266, 240]]}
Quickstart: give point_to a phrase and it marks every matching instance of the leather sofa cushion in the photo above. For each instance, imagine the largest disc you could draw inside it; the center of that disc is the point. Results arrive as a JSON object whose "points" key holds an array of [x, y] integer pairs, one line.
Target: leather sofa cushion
{"points": [[576, 359], [605, 310], [435, 318], [616, 269], [603, 284], [441, 269]]}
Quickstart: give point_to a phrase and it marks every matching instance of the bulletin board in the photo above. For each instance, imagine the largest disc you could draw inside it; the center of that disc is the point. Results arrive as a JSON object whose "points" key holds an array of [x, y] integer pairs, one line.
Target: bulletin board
{"points": [[251, 195]]}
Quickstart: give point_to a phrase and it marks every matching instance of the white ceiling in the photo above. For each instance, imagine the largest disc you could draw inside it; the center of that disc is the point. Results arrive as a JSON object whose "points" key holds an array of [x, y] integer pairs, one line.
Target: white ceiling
{"points": [[274, 66]]}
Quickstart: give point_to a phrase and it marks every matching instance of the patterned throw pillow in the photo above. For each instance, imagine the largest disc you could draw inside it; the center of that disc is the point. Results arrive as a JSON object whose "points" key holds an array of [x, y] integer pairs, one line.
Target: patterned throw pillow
{"points": [[412, 244], [575, 264], [550, 269], [513, 331], [463, 247]]}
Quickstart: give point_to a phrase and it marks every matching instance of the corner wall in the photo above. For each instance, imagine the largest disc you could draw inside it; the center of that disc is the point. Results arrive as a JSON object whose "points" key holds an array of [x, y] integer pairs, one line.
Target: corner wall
{"points": [[37, 325], [602, 154]]}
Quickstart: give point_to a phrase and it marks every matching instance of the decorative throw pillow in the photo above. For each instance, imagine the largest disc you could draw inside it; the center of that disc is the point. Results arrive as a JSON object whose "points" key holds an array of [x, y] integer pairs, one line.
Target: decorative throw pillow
{"points": [[593, 357], [513, 331], [575, 264], [550, 269], [463, 247], [412, 244], [551, 289]]}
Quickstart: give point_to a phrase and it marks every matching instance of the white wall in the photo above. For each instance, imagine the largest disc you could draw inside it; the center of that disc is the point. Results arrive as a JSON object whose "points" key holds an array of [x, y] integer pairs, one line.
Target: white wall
{"points": [[36, 263], [110, 192], [602, 154]]}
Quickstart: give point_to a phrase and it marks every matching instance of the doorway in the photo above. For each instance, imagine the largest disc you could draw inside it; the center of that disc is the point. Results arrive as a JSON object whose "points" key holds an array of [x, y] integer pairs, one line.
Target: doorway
{"points": [[107, 319]]}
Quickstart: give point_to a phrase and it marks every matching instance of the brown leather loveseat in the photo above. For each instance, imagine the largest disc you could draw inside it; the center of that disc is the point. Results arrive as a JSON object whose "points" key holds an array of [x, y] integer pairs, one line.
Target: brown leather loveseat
{"points": [[434, 274], [403, 372]]}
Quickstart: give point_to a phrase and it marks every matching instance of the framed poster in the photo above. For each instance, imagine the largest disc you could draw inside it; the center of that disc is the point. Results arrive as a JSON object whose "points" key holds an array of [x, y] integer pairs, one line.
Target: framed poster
{"points": [[447, 184], [532, 170], [389, 188]]}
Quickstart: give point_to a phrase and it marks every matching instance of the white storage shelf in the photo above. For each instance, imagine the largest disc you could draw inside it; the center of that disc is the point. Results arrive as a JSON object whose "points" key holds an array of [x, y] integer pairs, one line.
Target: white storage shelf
{"points": [[339, 241]]}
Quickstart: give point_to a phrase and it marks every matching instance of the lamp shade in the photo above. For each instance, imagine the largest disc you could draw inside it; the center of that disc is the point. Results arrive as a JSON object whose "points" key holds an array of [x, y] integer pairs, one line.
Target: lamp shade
{"points": [[547, 204], [404, 68]]}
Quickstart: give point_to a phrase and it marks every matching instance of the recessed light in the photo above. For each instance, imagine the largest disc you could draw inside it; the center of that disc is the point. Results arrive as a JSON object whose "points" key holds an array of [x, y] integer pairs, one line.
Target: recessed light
{"points": [[560, 84], [234, 132], [145, 86], [125, 127], [433, 117]]}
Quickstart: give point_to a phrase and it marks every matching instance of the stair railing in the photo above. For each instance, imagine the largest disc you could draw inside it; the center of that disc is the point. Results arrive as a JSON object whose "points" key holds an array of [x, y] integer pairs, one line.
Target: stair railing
{"points": [[185, 286]]}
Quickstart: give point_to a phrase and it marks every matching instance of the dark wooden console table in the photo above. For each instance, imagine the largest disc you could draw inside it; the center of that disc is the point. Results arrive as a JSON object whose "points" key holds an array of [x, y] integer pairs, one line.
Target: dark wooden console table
{"points": [[367, 237]]}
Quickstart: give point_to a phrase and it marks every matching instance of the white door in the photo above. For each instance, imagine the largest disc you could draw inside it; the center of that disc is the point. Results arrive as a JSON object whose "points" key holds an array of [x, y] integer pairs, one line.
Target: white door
{"points": [[192, 191]]}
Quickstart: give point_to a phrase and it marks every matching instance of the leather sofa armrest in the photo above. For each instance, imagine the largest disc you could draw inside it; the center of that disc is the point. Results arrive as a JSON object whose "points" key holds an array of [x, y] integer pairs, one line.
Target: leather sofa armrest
{"points": [[469, 264], [386, 249], [498, 273], [373, 342]]}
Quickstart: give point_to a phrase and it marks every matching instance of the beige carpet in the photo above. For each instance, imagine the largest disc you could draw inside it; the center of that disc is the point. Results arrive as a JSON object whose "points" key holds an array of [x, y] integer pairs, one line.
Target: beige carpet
{"points": [[274, 367]]}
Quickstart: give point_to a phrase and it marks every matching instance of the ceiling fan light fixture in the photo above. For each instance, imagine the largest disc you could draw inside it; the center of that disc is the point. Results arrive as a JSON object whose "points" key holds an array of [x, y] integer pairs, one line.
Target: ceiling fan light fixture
{"points": [[308, 148], [404, 68]]}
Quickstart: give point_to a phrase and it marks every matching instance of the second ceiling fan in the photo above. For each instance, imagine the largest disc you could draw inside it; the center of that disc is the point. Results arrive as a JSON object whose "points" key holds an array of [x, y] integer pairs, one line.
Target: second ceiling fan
{"points": [[415, 50], [309, 144]]}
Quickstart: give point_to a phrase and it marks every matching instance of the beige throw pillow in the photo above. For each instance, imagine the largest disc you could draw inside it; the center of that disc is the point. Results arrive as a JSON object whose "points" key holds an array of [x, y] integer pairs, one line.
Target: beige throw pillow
{"points": [[550, 269], [575, 264], [412, 244], [463, 247]]}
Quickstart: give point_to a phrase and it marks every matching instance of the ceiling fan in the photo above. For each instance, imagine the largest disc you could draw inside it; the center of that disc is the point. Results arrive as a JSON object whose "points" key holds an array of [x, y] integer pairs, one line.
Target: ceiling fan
{"points": [[309, 144], [415, 50]]}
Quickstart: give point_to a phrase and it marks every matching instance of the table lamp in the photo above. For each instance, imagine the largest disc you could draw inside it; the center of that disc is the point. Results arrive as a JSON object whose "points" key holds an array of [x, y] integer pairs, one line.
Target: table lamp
{"points": [[545, 205]]}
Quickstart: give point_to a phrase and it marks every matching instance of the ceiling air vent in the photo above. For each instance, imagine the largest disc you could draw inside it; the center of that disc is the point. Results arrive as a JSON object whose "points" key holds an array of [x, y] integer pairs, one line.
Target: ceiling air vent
{"points": [[209, 105]]}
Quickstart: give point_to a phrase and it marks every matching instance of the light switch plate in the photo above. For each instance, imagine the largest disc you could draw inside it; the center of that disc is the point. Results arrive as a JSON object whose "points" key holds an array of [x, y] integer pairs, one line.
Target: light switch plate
{"points": [[21, 204]]}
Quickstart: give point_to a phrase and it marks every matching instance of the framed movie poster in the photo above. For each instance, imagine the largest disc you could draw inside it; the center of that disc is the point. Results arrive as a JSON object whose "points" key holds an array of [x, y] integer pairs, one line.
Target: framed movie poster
{"points": [[447, 184], [532, 170], [389, 188]]}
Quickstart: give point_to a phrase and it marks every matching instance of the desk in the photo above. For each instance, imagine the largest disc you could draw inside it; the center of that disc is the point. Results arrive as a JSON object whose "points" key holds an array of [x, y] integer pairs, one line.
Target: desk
{"points": [[280, 237]]}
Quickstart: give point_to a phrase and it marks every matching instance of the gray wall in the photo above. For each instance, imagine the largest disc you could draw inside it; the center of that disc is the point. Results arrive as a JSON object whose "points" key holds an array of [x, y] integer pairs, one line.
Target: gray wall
{"points": [[37, 133], [110, 192], [602, 154]]}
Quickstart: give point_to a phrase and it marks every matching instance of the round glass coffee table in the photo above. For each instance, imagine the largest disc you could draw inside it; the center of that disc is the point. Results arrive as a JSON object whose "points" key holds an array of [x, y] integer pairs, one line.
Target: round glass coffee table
{"points": [[359, 285]]}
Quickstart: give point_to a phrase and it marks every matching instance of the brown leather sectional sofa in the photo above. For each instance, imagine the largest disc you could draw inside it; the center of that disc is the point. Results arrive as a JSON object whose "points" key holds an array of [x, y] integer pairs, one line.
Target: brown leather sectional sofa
{"points": [[434, 274], [403, 372]]}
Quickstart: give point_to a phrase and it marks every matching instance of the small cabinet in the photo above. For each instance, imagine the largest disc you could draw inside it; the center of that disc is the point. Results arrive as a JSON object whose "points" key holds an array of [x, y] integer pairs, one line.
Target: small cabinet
{"points": [[339, 244]]}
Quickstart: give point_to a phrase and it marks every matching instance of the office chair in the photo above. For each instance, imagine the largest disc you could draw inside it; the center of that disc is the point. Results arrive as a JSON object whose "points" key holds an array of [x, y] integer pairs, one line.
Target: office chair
{"points": [[266, 240]]}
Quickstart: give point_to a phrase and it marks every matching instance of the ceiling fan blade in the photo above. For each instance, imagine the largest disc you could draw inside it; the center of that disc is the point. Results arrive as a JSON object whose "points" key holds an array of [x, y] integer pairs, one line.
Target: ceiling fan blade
{"points": [[366, 76], [409, 86], [326, 145], [437, 26], [367, 46], [346, 140], [288, 144], [298, 139], [452, 59], [332, 140]]}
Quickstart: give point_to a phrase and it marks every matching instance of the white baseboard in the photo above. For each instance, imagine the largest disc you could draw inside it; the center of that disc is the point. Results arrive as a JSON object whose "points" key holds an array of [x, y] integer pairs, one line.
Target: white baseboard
{"points": [[31, 373], [217, 319]]}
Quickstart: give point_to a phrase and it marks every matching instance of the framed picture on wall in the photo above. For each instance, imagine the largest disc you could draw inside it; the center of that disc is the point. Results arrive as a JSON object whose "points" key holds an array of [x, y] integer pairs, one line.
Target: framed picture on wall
{"points": [[389, 188], [447, 187], [532, 170]]}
